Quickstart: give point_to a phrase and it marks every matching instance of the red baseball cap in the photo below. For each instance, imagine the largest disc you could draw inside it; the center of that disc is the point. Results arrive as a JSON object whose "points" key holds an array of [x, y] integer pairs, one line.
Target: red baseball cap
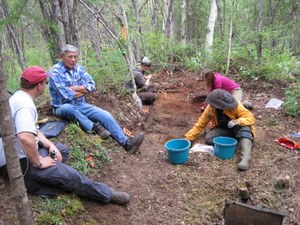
{"points": [[34, 74]]}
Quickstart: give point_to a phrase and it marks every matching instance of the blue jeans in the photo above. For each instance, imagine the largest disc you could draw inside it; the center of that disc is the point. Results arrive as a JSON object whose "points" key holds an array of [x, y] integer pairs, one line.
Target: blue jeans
{"points": [[87, 114], [62, 177]]}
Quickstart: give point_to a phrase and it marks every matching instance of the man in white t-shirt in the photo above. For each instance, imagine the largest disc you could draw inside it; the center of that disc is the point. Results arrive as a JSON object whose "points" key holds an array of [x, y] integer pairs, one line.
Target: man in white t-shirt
{"points": [[42, 173]]}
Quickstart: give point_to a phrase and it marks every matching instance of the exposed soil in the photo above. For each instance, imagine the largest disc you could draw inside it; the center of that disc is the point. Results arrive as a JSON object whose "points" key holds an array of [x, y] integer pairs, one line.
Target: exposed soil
{"points": [[195, 192]]}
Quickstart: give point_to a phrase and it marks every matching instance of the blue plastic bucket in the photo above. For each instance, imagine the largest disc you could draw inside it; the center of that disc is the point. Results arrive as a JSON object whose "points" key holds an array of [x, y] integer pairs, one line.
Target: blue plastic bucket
{"points": [[224, 147], [178, 150]]}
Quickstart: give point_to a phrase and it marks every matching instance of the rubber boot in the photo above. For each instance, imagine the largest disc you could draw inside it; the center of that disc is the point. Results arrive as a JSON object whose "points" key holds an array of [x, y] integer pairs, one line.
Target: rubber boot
{"points": [[246, 147]]}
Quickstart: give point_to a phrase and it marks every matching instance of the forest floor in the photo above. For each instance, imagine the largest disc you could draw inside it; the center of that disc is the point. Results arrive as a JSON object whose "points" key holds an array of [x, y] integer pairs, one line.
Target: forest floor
{"points": [[194, 192]]}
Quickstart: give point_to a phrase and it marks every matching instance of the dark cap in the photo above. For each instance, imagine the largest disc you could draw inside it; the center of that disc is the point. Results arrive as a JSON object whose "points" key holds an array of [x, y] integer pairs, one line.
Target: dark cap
{"points": [[34, 74], [221, 99]]}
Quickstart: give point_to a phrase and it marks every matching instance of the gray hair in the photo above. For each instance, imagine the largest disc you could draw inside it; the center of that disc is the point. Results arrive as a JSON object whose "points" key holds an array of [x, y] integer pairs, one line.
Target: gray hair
{"points": [[146, 61], [68, 48]]}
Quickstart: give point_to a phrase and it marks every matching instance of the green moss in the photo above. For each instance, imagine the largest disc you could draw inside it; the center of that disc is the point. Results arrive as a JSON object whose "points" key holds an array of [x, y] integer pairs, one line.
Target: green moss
{"points": [[56, 211]]}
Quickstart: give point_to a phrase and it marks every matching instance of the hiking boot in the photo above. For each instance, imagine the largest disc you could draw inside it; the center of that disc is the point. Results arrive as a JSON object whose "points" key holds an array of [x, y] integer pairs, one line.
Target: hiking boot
{"points": [[133, 143], [101, 131], [120, 198]]}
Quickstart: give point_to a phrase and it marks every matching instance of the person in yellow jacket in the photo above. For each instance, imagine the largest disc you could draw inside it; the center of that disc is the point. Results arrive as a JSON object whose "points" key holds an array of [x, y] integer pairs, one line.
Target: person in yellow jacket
{"points": [[227, 117]]}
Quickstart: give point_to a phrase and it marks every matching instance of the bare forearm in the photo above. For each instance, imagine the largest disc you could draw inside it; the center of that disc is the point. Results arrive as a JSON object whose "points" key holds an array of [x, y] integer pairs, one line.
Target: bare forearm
{"points": [[49, 145], [46, 142], [30, 147], [80, 89]]}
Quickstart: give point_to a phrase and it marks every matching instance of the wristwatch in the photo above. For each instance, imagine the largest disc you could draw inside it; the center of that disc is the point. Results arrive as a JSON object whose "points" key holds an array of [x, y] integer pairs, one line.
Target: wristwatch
{"points": [[40, 165]]}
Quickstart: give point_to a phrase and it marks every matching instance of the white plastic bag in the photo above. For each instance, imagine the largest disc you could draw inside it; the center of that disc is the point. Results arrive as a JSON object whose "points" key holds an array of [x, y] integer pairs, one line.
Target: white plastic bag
{"points": [[274, 103], [202, 148]]}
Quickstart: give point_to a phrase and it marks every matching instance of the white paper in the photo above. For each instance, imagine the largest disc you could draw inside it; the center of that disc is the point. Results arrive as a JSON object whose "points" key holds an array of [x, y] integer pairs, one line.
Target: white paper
{"points": [[274, 103], [202, 148]]}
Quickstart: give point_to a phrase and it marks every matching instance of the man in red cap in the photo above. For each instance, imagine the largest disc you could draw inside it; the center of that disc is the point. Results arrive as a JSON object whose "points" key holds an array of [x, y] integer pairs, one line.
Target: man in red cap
{"points": [[41, 172], [34, 74]]}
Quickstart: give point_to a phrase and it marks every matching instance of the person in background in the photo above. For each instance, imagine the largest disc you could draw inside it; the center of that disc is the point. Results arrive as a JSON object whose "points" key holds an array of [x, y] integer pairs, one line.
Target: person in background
{"points": [[43, 173], [145, 90], [228, 117], [68, 84], [215, 80]]}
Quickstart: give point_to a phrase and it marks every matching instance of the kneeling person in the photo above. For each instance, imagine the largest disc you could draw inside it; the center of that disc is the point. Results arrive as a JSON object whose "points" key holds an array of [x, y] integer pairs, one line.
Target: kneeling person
{"points": [[145, 90], [228, 118]]}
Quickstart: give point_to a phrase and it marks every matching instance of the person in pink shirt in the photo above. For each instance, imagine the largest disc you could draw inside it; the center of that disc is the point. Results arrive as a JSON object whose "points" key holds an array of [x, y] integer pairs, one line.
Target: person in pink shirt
{"points": [[215, 80]]}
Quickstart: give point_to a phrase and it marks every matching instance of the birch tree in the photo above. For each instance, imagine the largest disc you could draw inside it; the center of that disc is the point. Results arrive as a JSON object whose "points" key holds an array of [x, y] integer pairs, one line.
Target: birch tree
{"points": [[184, 22], [17, 186], [168, 18], [211, 26]]}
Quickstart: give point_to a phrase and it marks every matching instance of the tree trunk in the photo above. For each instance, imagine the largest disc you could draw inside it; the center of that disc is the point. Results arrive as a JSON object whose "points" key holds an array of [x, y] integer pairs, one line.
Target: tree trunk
{"points": [[18, 190], [168, 18], [221, 17], [63, 14], [211, 26], [137, 28], [259, 31], [184, 22], [68, 18], [54, 36], [14, 37], [154, 12], [130, 58], [230, 35]]}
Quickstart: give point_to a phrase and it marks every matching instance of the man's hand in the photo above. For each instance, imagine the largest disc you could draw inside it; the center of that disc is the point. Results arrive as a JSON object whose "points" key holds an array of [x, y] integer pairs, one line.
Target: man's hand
{"points": [[232, 123], [57, 152], [46, 162], [74, 88]]}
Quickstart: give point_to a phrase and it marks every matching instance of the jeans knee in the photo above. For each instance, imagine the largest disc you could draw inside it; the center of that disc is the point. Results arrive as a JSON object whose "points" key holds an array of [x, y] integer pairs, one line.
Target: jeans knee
{"points": [[66, 110]]}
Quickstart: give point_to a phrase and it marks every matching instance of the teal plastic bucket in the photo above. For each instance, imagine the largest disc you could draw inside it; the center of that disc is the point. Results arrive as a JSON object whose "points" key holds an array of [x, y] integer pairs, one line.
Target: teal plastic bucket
{"points": [[224, 147], [178, 150]]}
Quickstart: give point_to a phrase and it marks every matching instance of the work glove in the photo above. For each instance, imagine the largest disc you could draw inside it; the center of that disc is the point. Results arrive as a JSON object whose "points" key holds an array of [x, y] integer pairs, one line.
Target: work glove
{"points": [[232, 123]]}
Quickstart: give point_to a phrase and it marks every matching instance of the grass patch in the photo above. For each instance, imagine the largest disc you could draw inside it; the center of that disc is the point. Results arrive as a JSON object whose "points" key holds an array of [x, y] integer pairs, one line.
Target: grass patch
{"points": [[87, 150], [57, 210]]}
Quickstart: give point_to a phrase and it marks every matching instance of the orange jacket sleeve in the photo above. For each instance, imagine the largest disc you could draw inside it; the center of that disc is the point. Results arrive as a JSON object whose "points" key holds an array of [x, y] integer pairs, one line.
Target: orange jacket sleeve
{"points": [[201, 124]]}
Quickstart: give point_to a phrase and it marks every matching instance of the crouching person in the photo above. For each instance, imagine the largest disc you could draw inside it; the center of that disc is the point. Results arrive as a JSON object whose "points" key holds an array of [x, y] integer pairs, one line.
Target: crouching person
{"points": [[43, 173], [228, 117]]}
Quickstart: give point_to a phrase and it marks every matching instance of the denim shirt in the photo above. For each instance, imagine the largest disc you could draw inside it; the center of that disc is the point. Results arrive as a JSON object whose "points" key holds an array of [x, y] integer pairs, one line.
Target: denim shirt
{"points": [[61, 79]]}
